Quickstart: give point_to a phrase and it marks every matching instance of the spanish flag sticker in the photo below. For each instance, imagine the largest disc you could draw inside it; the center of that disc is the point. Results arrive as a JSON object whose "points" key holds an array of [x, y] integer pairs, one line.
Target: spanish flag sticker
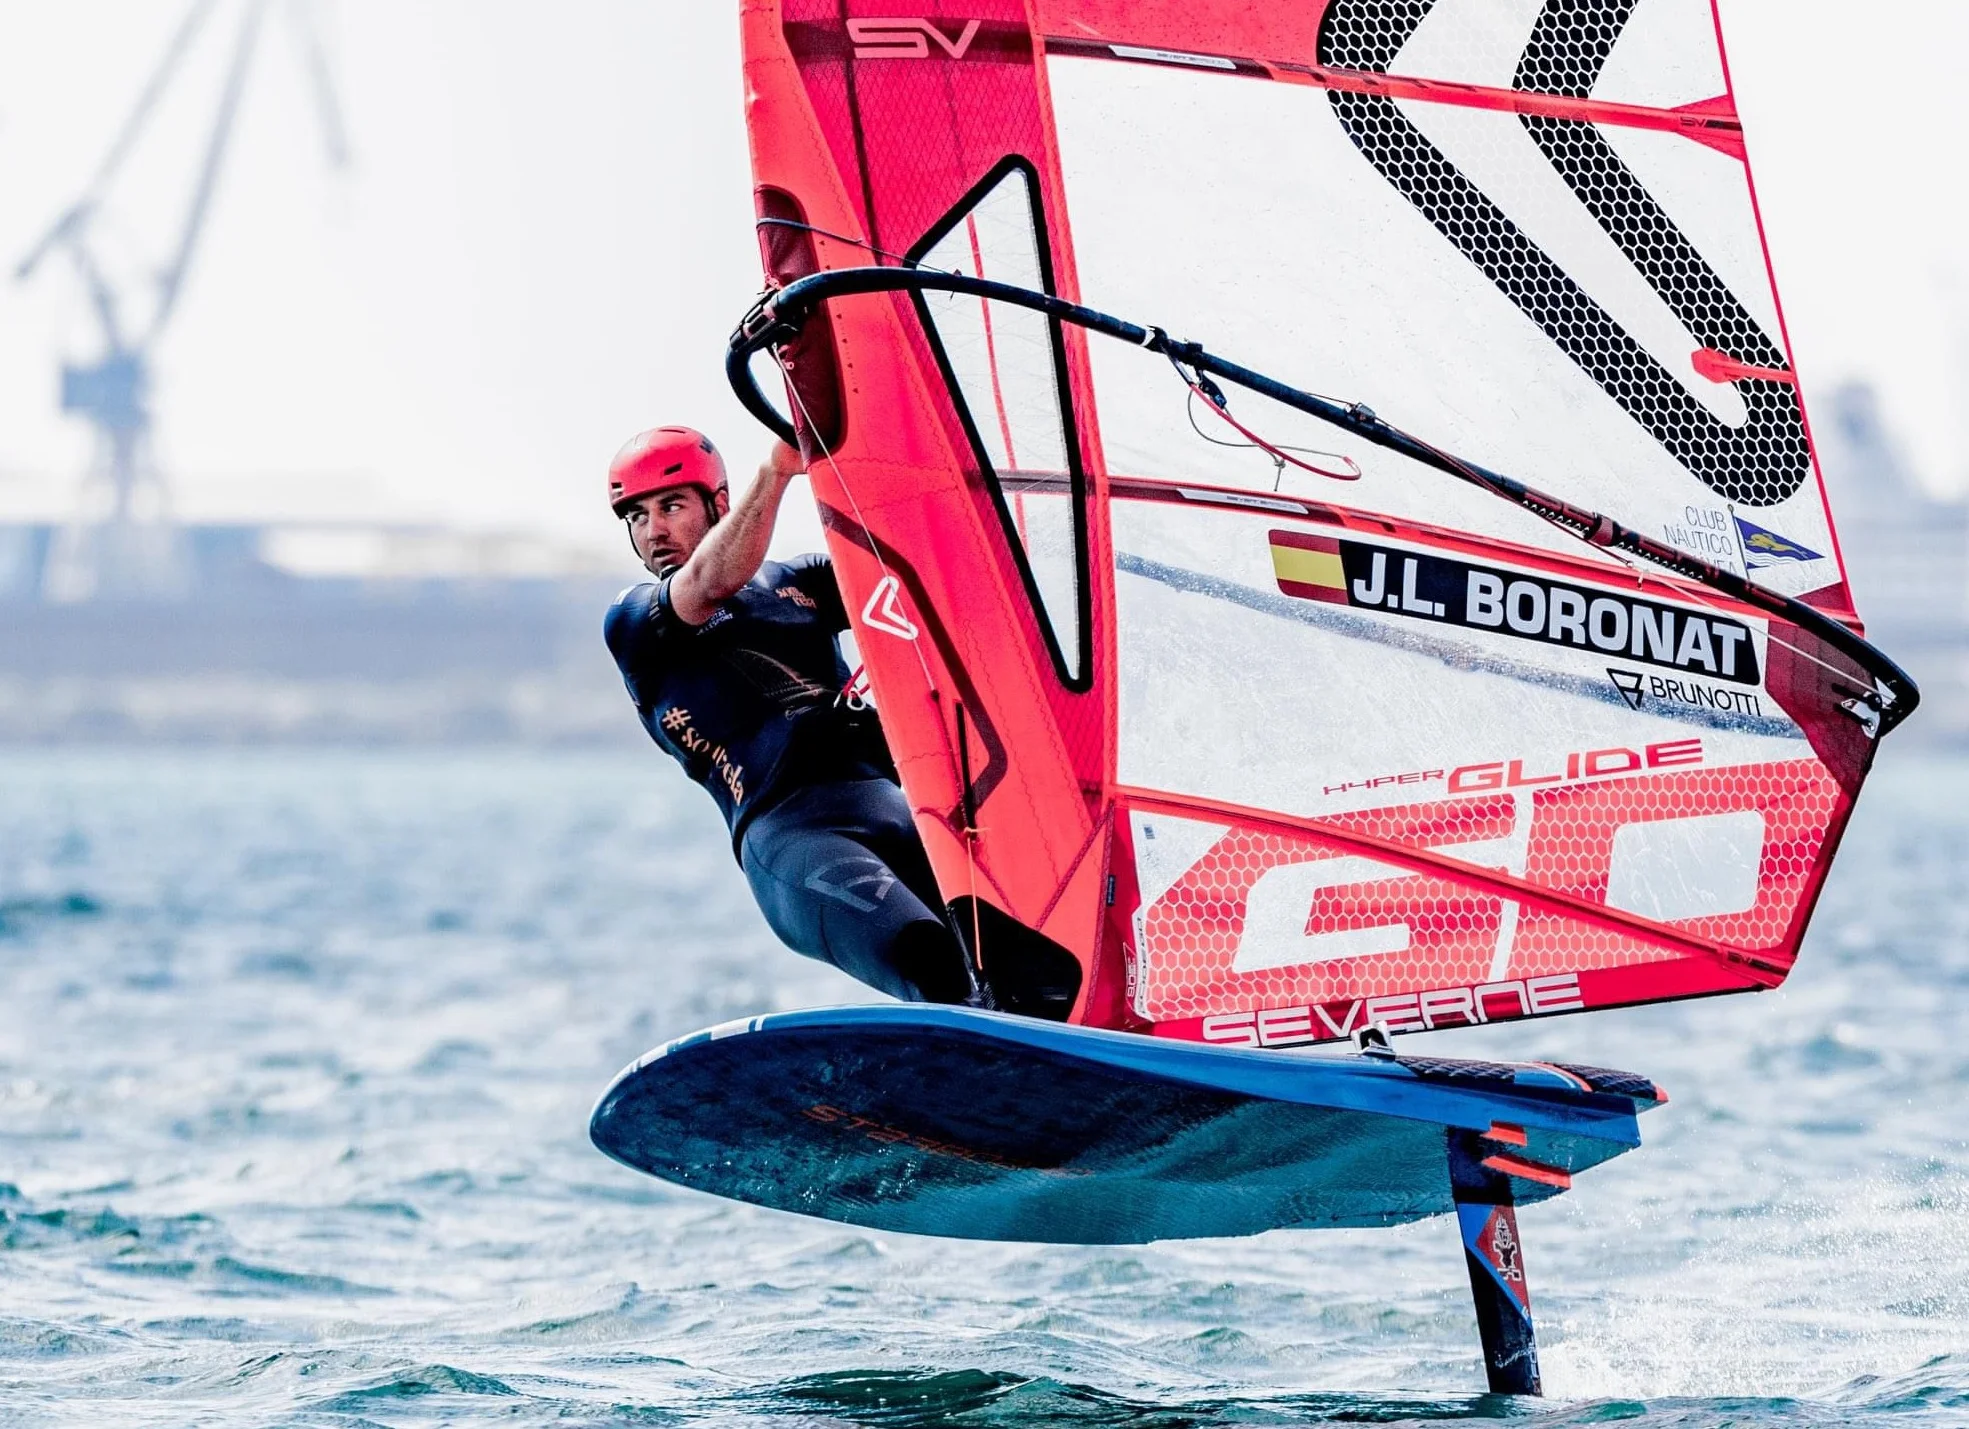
{"points": [[1309, 567]]}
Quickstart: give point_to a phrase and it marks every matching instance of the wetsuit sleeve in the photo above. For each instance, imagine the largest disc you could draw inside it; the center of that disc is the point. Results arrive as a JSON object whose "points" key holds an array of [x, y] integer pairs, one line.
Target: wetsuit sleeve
{"points": [[814, 574], [638, 622]]}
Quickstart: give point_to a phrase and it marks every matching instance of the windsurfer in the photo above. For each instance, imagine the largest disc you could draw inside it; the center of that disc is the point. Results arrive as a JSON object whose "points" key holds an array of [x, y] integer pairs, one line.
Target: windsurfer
{"points": [[735, 670]]}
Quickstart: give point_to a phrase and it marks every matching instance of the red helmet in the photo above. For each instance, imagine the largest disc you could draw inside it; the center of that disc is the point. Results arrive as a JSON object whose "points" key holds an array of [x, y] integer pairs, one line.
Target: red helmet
{"points": [[661, 458]]}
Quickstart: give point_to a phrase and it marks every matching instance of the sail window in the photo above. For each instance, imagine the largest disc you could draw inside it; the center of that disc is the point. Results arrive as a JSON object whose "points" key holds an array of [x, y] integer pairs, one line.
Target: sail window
{"points": [[1704, 866], [1006, 369]]}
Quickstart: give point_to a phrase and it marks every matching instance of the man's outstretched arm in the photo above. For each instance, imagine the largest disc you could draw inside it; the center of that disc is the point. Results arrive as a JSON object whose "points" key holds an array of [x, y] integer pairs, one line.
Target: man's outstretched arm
{"points": [[733, 551]]}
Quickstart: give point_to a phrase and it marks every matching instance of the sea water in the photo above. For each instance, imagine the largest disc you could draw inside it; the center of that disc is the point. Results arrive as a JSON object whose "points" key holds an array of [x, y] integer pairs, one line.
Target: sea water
{"points": [[297, 1051]]}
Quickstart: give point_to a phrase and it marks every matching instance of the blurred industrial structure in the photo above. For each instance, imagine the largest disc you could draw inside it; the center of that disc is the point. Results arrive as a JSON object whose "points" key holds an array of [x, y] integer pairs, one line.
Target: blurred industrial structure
{"points": [[1907, 556], [122, 539], [122, 623], [313, 633]]}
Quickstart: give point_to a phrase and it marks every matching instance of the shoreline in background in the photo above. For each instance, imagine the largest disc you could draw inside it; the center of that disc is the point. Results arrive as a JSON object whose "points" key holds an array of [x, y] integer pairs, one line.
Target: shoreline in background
{"points": [[367, 634], [566, 709], [211, 634]]}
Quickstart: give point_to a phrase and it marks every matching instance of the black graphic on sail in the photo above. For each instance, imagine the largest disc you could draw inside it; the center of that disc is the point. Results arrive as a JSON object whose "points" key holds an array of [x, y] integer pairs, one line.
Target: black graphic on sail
{"points": [[1760, 463]]}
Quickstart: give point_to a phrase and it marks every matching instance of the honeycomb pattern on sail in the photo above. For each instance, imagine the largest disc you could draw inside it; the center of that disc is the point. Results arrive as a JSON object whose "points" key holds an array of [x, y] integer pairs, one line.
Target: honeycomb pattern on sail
{"points": [[1366, 34], [1202, 953], [1197, 928], [1570, 43], [1572, 849], [1761, 461]]}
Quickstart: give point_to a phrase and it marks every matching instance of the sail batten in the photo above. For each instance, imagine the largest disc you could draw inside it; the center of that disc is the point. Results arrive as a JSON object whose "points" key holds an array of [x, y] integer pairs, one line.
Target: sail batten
{"points": [[1712, 122]]}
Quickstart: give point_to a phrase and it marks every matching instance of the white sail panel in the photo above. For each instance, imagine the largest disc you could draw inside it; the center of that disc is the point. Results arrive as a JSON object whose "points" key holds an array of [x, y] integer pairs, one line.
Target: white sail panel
{"points": [[1231, 689], [1350, 287], [1666, 56], [1466, 41]]}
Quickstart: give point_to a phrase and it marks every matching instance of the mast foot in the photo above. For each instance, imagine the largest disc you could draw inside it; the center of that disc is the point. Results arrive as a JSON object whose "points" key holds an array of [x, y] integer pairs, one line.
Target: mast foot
{"points": [[1486, 1214]]}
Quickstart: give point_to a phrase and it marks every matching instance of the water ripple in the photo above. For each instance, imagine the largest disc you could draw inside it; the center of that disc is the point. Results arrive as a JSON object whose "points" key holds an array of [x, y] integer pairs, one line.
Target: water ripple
{"points": [[296, 1052]]}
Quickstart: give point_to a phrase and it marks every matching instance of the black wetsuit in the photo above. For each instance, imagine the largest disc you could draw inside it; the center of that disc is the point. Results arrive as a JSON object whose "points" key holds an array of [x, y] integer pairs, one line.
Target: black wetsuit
{"points": [[749, 703]]}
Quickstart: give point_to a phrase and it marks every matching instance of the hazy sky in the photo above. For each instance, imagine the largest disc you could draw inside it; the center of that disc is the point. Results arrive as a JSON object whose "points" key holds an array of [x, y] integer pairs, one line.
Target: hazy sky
{"points": [[545, 236]]}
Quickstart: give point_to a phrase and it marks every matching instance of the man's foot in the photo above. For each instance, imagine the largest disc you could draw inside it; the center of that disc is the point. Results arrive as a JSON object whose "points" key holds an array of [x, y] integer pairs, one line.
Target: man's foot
{"points": [[936, 965], [981, 996]]}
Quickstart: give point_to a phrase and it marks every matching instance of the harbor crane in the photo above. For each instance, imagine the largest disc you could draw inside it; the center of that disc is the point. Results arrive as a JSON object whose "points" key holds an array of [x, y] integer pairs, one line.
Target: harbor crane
{"points": [[124, 541]]}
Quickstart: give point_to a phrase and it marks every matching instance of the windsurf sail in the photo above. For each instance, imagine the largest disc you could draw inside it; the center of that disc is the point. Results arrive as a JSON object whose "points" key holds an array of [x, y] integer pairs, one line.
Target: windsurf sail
{"points": [[1559, 702]]}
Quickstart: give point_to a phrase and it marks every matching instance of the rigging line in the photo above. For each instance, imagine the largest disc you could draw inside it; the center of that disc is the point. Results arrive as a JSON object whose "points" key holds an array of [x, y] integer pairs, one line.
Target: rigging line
{"points": [[1695, 593], [1600, 532], [1691, 591], [861, 243], [1202, 386], [958, 762], [854, 693], [970, 837], [977, 913], [1701, 595]]}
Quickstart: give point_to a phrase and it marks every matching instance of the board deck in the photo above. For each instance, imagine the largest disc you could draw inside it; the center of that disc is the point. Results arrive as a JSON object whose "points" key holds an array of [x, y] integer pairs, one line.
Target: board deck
{"points": [[952, 1122]]}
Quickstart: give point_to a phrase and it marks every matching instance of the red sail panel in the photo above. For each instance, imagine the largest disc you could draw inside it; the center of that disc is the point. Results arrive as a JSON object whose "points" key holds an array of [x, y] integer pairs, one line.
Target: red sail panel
{"points": [[981, 650], [1340, 929]]}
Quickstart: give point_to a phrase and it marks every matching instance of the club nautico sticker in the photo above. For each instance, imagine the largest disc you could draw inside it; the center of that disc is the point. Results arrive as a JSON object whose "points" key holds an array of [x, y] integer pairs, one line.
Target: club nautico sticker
{"points": [[1763, 548]]}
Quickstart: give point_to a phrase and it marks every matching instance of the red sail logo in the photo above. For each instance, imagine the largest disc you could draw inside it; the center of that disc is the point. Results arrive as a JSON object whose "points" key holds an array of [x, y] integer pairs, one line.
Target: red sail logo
{"points": [[907, 39]]}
